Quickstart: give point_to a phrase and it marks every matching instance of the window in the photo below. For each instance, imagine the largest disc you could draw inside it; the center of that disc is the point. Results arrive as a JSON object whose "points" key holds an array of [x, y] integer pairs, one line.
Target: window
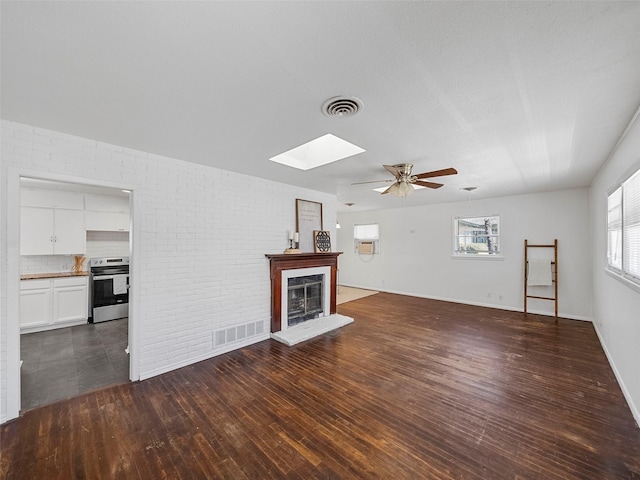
{"points": [[623, 229], [477, 235], [365, 239]]}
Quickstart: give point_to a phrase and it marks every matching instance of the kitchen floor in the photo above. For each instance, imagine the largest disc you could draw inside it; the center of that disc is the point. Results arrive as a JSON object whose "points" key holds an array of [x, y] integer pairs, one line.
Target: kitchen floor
{"points": [[67, 361]]}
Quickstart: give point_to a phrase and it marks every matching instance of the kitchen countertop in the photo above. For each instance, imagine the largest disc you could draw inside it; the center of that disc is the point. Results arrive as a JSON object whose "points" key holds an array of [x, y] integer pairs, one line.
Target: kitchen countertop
{"points": [[33, 276]]}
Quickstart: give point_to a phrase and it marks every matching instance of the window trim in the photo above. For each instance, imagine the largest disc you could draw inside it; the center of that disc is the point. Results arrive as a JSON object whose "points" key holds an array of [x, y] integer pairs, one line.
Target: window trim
{"points": [[625, 280], [609, 194], [620, 274], [499, 255]]}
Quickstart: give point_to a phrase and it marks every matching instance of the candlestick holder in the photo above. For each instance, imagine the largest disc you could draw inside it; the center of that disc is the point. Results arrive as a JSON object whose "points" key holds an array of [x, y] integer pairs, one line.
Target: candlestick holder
{"points": [[291, 248]]}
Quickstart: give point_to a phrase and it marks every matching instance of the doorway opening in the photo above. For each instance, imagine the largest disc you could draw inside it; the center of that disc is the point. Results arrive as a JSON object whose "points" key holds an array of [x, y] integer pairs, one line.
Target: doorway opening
{"points": [[63, 352]]}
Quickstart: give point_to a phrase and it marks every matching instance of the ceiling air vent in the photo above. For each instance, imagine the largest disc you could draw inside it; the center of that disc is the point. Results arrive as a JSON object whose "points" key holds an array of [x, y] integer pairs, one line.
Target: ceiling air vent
{"points": [[341, 107]]}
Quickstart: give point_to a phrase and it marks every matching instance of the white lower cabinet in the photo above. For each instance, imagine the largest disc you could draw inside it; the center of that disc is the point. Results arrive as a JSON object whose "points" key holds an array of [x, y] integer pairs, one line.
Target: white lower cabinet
{"points": [[35, 303], [53, 303], [69, 299]]}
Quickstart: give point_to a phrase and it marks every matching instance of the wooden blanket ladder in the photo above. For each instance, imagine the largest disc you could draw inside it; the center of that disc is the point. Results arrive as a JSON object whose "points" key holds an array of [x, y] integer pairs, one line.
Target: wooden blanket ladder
{"points": [[554, 274]]}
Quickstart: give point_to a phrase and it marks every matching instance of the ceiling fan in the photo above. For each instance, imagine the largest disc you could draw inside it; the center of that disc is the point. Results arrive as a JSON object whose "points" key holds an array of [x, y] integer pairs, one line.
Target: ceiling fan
{"points": [[404, 180]]}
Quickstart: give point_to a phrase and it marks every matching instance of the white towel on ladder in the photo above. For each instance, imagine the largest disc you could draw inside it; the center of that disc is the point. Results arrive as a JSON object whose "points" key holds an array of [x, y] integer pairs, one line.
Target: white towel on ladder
{"points": [[119, 284], [539, 272]]}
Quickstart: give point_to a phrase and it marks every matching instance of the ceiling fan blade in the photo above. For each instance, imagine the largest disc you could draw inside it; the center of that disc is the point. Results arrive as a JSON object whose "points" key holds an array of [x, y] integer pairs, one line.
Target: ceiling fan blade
{"points": [[387, 190], [427, 184], [373, 181], [438, 173]]}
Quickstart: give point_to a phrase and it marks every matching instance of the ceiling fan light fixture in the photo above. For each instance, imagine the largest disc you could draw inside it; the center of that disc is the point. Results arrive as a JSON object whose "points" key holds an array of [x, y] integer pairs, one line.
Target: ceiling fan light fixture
{"points": [[394, 190], [404, 189], [406, 182]]}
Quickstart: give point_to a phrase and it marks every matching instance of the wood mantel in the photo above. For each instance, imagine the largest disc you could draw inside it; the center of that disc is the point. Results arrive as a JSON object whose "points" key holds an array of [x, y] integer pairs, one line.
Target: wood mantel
{"points": [[280, 262]]}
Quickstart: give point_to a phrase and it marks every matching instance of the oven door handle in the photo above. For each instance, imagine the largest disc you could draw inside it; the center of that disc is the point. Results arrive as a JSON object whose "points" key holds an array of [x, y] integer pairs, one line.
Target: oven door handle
{"points": [[108, 277]]}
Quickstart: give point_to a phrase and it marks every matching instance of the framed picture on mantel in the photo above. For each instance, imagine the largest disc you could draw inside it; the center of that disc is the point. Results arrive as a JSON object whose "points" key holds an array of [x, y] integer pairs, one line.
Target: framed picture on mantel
{"points": [[308, 219], [321, 241]]}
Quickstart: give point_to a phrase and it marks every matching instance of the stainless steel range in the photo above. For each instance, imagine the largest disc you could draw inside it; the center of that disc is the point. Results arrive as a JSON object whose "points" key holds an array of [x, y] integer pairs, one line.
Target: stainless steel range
{"points": [[109, 288]]}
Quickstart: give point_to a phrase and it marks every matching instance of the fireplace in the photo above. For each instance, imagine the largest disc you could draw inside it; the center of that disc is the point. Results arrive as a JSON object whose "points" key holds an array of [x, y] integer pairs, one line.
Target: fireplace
{"points": [[306, 295], [304, 298], [303, 287]]}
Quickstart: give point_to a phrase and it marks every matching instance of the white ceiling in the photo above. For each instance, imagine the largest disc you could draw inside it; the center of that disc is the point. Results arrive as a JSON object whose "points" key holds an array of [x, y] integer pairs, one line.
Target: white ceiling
{"points": [[517, 96]]}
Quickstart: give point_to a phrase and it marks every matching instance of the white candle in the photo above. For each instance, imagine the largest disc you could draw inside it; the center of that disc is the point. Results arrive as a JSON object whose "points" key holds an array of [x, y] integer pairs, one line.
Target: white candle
{"points": [[295, 237], [290, 235]]}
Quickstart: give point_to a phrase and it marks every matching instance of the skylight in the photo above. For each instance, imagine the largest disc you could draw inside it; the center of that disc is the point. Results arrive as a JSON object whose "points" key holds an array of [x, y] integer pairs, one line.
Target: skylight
{"points": [[318, 152]]}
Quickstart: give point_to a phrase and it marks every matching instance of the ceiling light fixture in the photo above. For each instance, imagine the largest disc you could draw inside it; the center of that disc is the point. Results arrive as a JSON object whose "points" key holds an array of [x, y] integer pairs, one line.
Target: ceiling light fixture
{"points": [[382, 189], [404, 189]]}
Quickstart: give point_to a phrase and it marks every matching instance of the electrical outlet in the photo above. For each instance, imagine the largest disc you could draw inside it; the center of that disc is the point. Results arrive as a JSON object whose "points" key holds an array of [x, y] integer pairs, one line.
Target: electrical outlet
{"points": [[489, 294], [500, 297]]}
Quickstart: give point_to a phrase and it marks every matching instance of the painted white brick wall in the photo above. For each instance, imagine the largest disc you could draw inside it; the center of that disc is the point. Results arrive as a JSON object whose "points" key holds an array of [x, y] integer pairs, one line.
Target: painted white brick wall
{"points": [[203, 233]]}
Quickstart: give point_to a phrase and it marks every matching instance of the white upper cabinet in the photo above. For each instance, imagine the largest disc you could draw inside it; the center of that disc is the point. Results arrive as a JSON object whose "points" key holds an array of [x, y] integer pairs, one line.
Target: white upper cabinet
{"points": [[52, 222], [36, 231], [55, 222], [106, 203], [52, 231], [107, 213], [33, 197], [69, 232], [107, 221]]}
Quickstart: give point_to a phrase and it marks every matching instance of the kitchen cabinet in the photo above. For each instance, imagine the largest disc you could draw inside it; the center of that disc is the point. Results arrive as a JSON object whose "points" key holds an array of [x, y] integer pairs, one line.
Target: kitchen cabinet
{"points": [[35, 303], [107, 213], [106, 203], [35, 197], [53, 303], [70, 297], [107, 221], [52, 231]]}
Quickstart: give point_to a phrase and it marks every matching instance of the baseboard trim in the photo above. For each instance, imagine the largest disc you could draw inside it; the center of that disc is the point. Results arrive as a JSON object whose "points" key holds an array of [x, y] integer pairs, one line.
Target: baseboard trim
{"points": [[477, 304], [206, 356], [627, 396]]}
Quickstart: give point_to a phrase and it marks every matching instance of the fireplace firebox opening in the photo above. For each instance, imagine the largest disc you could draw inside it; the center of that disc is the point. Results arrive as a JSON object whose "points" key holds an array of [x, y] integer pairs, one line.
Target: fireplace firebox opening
{"points": [[304, 298]]}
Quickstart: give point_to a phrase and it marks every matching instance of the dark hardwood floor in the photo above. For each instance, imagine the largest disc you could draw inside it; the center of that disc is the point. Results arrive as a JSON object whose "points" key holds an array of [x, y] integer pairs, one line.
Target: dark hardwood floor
{"points": [[414, 389]]}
